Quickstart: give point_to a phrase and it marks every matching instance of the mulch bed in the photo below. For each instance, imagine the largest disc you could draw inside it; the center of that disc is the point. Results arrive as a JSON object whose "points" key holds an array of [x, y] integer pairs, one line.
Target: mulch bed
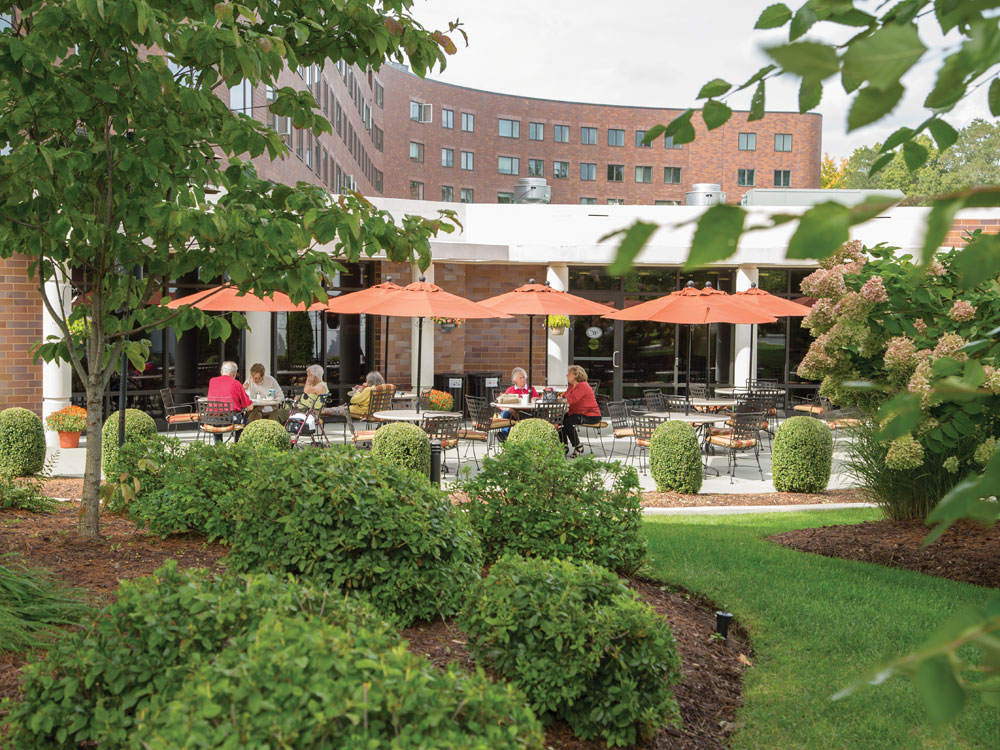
{"points": [[653, 499], [709, 693], [966, 552]]}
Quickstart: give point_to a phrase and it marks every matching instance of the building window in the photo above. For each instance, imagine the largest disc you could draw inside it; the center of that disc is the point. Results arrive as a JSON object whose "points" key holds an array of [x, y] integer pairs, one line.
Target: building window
{"points": [[507, 164], [274, 121], [447, 157], [666, 203], [316, 151], [782, 141], [616, 137], [416, 190], [536, 131], [241, 98], [560, 170], [616, 172], [639, 135], [588, 201], [616, 201], [748, 142], [447, 193], [672, 175], [416, 151], [505, 197], [536, 168], [510, 128], [745, 177], [298, 143], [560, 133], [465, 195], [668, 142], [782, 178], [643, 174], [379, 95], [448, 118], [467, 160], [588, 136], [377, 136], [468, 122], [588, 171], [420, 112]]}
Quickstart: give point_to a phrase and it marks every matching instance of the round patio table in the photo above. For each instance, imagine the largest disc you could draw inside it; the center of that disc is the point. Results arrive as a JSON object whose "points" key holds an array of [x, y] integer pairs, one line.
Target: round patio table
{"points": [[412, 415], [530, 406]]}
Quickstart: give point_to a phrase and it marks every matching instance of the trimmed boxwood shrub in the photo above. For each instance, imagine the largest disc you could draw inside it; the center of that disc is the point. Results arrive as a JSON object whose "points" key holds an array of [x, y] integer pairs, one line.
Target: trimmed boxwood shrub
{"points": [[138, 425], [316, 685], [675, 458], [351, 522], [22, 442], [531, 501], [802, 455], [404, 445], [579, 643], [94, 683], [533, 431], [266, 432]]}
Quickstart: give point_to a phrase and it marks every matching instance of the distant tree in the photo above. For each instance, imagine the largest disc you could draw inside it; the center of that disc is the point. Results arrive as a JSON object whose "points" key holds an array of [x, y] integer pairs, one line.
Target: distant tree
{"points": [[831, 173]]}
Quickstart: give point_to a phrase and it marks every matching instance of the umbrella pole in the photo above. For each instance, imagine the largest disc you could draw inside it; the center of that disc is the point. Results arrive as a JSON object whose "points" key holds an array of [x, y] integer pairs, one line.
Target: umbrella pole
{"points": [[386, 371], [687, 386], [708, 359], [531, 326], [420, 351]]}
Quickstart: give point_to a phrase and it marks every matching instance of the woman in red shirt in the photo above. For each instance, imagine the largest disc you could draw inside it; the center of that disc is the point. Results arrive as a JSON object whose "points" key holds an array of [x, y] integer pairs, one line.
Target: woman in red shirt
{"points": [[583, 407]]}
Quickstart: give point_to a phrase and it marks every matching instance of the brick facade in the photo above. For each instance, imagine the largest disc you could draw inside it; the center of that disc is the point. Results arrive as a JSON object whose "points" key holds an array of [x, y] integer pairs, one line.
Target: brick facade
{"points": [[20, 329], [956, 235]]}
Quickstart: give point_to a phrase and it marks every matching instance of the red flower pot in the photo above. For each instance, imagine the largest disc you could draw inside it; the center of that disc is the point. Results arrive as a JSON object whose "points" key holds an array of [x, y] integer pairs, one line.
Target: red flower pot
{"points": [[69, 439]]}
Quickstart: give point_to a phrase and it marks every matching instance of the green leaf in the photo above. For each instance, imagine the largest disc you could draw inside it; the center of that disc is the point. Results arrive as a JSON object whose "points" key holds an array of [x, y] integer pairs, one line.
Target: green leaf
{"points": [[106, 92], [943, 697], [717, 235], [822, 229], [680, 128], [773, 16], [880, 163], [994, 97], [885, 56], [951, 83], [944, 134], [978, 261], [807, 59], [759, 75], [757, 103], [810, 94], [872, 104], [715, 87], [16, 47], [635, 238], [898, 137], [802, 21], [903, 414], [939, 221], [914, 155], [715, 114]]}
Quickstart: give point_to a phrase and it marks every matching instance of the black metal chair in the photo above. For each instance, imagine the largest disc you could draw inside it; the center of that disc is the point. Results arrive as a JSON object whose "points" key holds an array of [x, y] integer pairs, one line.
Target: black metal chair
{"points": [[644, 425], [621, 425], [697, 390], [598, 427], [743, 436], [485, 428], [445, 429], [177, 414], [654, 400], [359, 438], [215, 417]]}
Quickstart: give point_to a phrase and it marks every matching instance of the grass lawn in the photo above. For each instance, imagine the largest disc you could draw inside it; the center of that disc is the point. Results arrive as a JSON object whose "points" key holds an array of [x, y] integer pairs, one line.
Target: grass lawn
{"points": [[816, 623]]}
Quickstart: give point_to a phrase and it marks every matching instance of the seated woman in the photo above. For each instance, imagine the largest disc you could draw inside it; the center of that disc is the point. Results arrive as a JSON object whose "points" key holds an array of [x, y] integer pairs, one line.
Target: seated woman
{"points": [[519, 387], [360, 398], [583, 408], [314, 390], [263, 386]]}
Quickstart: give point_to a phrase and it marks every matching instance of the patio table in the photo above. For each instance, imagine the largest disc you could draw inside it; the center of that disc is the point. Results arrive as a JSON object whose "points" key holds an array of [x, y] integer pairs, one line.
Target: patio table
{"points": [[411, 415]]}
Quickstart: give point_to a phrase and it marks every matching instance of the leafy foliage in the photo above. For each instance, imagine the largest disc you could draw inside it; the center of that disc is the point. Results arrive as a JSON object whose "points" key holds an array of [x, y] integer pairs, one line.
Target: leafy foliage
{"points": [[359, 525], [320, 685], [22, 442], [404, 445], [533, 432], [579, 643], [28, 493], [94, 684], [138, 426], [802, 455], [529, 500], [266, 432], [67, 419], [675, 458], [439, 400]]}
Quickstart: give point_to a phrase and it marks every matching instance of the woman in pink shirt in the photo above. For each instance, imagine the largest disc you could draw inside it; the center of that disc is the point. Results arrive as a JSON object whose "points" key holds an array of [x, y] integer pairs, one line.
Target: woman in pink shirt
{"points": [[583, 408]]}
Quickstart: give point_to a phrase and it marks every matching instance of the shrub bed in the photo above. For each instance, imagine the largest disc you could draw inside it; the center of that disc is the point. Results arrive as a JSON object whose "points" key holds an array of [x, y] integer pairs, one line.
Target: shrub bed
{"points": [[403, 445], [675, 458], [266, 433], [531, 501], [22, 442], [802, 455], [138, 426], [357, 524], [533, 431], [580, 645]]}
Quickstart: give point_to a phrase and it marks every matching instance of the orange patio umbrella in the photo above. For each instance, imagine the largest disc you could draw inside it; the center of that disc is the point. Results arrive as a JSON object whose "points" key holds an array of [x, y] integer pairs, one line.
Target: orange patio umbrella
{"points": [[779, 307], [230, 299], [362, 301], [533, 299]]}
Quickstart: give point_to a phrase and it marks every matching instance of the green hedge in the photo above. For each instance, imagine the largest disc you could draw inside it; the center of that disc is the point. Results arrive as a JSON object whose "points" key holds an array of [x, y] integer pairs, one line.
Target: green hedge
{"points": [[531, 501], [142, 463], [802, 455], [22, 442], [316, 685], [675, 458], [266, 432], [533, 431], [579, 643], [404, 445], [138, 426], [94, 683], [352, 522]]}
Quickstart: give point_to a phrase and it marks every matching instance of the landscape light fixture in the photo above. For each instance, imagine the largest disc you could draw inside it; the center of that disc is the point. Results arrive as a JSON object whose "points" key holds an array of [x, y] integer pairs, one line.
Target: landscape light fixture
{"points": [[722, 620]]}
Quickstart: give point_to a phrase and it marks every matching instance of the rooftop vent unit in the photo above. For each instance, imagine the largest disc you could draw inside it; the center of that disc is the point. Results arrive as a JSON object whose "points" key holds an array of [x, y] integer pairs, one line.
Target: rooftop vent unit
{"points": [[704, 194], [532, 190]]}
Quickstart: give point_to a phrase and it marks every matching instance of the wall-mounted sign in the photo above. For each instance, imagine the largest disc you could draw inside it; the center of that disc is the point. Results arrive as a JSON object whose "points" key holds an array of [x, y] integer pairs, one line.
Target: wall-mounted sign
{"points": [[492, 382], [594, 332], [454, 382]]}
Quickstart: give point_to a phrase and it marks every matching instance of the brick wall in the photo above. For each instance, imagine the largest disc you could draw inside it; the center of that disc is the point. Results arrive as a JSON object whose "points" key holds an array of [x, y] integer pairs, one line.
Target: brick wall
{"points": [[962, 227], [20, 328]]}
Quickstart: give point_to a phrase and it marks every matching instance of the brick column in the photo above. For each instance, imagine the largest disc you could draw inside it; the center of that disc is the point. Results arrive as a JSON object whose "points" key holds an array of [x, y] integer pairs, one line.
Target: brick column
{"points": [[20, 328]]}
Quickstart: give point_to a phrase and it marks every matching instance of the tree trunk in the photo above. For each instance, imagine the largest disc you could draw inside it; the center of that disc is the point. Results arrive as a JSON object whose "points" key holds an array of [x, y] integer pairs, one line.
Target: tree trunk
{"points": [[90, 515]]}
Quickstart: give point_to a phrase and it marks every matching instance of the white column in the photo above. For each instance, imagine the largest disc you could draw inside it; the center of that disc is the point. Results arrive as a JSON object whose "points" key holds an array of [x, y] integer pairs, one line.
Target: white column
{"points": [[558, 344], [258, 341], [742, 337], [57, 377], [427, 363]]}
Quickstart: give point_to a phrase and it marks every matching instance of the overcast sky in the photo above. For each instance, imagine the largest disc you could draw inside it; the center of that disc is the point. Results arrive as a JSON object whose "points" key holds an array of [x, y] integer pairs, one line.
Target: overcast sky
{"points": [[653, 53]]}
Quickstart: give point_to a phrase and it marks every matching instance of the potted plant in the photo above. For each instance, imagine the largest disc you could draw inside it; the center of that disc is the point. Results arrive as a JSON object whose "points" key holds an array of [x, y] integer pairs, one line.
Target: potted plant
{"points": [[69, 422], [440, 401], [558, 323], [447, 325]]}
